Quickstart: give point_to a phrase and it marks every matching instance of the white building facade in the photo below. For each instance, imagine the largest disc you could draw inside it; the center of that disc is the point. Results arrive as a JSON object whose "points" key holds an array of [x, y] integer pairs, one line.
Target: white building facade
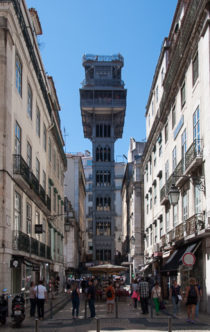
{"points": [[32, 160], [177, 152]]}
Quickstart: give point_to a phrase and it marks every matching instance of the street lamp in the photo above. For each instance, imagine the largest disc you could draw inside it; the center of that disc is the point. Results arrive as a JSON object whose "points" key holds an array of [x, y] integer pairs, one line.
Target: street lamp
{"points": [[173, 194]]}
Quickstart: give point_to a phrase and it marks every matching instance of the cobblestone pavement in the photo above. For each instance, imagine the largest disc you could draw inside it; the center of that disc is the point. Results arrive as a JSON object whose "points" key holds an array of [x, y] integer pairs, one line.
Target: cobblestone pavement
{"points": [[129, 319]]}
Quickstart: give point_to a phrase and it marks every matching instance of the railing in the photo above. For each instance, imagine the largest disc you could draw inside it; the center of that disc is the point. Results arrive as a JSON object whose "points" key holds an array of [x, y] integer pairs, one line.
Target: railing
{"points": [[194, 151], [103, 82], [42, 194], [48, 202], [194, 224], [179, 232], [21, 241], [103, 102], [42, 252], [21, 167], [34, 183]]}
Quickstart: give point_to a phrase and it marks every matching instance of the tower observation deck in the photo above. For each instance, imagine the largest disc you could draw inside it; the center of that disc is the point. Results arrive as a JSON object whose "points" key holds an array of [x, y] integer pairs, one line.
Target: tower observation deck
{"points": [[103, 105]]}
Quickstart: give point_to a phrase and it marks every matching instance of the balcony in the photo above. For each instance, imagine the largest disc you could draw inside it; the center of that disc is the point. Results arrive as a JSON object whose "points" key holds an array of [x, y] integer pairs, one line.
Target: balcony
{"points": [[21, 171], [165, 189], [103, 103], [179, 232], [27, 180], [194, 156], [23, 242], [103, 82], [194, 224]]}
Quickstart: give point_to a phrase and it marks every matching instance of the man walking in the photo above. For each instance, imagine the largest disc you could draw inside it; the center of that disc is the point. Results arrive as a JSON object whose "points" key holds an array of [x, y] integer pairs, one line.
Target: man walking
{"points": [[144, 295], [91, 298], [41, 296]]}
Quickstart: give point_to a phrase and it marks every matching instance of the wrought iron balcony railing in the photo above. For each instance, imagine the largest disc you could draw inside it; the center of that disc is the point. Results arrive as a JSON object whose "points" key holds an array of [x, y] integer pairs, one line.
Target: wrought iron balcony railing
{"points": [[103, 82], [34, 246], [21, 241], [34, 183], [42, 194], [179, 232], [103, 102], [21, 167]]}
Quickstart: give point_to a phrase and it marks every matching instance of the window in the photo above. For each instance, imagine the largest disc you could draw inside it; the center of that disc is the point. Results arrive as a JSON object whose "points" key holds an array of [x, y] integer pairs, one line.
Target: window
{"points": [[44, 230], [162, 75], [166, 170], [90, 198], [183, 148], [161, 227], [152, 107], [18, 74], [175, 215], [185, 205], [37, 169], [103, 203], [151, 233], [167, 220], [174, 163], [17, 139], [17, 212], [29, 102], [166, 132], [29, 155], [147, 203], [103, 255], [54, 201], [38, 122], [28, 218], [103, 154], [156, 232], [150, 201], [156, 93], [37, 221], [44, 137], [54, 160], [183, 95], [49, 150], [155, 193], [195, 70], [103, 228], [198, 204], [196, 130], [44, 180], [103, 130], [173, 115], [103, 178]]}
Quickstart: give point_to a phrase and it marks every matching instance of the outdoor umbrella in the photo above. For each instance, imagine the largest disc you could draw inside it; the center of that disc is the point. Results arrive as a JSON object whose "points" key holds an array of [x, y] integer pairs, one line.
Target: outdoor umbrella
{"points": [[107, 268]]}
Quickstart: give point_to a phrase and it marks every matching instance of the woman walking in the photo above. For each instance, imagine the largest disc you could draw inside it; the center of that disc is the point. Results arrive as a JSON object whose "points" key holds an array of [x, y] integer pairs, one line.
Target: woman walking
{"points": [[75, 300], [191, 298], [175, 296], [156, 296], [32, 299], [135, 292], [110, 298]]}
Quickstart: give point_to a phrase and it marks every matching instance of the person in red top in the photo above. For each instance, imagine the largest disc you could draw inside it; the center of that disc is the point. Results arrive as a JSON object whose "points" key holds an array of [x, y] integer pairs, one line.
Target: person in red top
{"points": [[110, 297]]}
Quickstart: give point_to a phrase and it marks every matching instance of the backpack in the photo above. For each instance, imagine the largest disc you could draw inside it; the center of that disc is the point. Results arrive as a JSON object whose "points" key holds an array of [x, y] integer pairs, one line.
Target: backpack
{"points": [[192, 292], [109, 293]]}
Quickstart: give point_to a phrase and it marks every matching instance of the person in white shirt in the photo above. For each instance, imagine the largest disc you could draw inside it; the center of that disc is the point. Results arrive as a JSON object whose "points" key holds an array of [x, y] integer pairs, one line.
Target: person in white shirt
{"points": [[41, 295]]}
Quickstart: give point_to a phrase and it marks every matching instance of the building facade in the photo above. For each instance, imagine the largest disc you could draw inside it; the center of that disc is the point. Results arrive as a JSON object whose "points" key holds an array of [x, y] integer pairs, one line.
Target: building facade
{"points": [[133, 209], [177, 153], [103, 104], [74, 188], [32, 160]]}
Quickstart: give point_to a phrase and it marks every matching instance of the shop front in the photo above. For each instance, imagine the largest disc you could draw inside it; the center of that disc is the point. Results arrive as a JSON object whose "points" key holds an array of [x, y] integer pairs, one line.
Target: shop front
{"points": [[175, 268]]}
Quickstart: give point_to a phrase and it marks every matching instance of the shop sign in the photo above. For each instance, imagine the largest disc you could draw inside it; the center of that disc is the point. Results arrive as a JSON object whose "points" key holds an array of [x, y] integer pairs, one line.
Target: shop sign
{"points": [[15, 263], [38, 229], [35, 268], [188, 259]]}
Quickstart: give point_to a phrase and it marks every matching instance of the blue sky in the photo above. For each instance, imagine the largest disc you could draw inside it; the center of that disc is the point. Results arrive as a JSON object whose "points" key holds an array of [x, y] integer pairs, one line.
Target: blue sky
{"points": [[71, 28]]}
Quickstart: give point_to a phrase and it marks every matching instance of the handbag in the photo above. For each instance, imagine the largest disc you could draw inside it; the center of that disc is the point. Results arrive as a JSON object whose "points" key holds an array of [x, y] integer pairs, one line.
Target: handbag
{"points": [[134, 295], [179, 297]]}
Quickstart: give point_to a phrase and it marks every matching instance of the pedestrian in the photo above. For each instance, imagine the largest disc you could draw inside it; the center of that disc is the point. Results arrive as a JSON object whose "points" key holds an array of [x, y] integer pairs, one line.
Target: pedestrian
{"points": [[91, 298], [40, 292], [191, 299], [175, 296], [110, 297], [156, 296], [32, 299], [144, 295], [135, 292], [75, 300], [199, 299]]}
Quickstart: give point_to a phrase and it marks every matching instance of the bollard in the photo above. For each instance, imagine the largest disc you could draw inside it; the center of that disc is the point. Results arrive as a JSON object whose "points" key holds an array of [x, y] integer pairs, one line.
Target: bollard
{"points": [[98, 328], [85, 308], [51, 309], [36, 325], [116, 307], [151, 308], [169, 324]]}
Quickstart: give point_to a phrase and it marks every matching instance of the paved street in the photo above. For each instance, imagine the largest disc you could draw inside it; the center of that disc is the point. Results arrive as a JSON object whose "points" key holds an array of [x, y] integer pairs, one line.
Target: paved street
{"points": [[130, 319]]}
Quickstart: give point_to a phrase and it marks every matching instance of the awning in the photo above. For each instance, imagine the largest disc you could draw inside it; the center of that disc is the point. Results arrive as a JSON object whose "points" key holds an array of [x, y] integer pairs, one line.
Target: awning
{"points": [[175, 260]]}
